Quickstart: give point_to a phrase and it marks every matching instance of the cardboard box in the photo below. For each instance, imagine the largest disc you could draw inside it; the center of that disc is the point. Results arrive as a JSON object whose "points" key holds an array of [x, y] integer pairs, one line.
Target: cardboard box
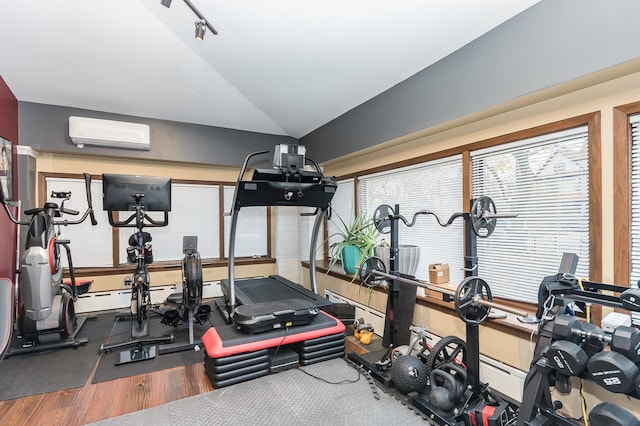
{"points": [[438, 273]]}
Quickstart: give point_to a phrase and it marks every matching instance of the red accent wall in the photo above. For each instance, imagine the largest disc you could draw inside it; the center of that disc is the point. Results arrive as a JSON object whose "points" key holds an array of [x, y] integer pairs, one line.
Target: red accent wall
{"points": [[8, 130]]}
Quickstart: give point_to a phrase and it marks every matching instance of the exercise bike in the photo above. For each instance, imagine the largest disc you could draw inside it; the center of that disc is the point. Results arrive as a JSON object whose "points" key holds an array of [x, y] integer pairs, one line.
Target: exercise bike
{"points": [[189, 305], [117, 196], [46, 315]]}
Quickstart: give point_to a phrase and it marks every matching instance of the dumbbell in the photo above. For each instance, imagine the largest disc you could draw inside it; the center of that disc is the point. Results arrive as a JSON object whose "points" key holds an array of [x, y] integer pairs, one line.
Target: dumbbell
{"points": [[624, 340], [571, 350], [630, 299], [609, 414], [613, 371]]}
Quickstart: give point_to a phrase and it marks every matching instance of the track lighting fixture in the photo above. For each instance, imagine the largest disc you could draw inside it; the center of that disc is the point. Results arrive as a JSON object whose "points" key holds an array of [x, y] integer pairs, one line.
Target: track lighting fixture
{"points": [[200, 29], [201, 24]]}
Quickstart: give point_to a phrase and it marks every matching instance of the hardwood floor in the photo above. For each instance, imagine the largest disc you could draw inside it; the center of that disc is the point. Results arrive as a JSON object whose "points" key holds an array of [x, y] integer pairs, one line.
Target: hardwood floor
{"points": [[99, 401], [94, 402]]}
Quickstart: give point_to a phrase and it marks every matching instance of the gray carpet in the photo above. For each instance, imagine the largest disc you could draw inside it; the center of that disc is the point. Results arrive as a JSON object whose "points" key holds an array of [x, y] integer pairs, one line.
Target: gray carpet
{"points": [[288, 398]]}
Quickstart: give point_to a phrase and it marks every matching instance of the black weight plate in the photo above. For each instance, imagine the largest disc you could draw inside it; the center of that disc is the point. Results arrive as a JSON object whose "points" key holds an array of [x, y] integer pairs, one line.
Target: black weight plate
{"points": [[567, 357], [448, 349], [382, 218], [613, 371], [468, 293], [482, 225], [368, 269]]}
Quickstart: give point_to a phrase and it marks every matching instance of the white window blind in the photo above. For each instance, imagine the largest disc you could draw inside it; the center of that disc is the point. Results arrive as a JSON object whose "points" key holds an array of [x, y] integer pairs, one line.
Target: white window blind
{"points": [[90, 245], [545, 181], [194, 212], [435, 186], [342, 207], [251, 238], [635, 199]]}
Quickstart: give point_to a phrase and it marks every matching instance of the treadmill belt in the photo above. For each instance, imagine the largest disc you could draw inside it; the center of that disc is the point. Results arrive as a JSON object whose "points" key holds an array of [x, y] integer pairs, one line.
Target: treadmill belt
{"points": [[271, 289], [268, 290]]}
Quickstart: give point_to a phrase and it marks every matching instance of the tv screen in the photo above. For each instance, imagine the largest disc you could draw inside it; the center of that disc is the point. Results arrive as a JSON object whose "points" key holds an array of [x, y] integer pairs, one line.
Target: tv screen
{"points": [[118, 192]]}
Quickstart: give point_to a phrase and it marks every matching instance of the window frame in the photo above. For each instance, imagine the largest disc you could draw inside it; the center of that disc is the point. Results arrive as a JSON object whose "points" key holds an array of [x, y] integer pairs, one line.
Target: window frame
{"points": [[119, 268], [591, 120], [622, 191]]}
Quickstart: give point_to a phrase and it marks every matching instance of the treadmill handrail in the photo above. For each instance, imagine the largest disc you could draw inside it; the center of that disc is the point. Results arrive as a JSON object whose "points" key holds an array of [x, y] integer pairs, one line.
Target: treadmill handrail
{"points": [[243, 170], [235, 210]]}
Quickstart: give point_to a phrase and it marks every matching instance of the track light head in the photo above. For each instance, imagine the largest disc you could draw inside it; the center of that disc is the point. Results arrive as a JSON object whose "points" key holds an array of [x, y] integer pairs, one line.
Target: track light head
{"points": [[166, 3], [201, 28]]}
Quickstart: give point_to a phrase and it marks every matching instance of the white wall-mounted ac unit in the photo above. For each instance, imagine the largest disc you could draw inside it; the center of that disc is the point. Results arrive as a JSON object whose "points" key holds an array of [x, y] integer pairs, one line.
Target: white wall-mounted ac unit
{"points": [[108, 133]]}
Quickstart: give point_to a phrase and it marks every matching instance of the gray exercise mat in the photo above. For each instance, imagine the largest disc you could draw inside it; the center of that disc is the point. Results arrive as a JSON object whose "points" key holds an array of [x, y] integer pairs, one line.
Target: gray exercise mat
{"points": [[292, 397]]}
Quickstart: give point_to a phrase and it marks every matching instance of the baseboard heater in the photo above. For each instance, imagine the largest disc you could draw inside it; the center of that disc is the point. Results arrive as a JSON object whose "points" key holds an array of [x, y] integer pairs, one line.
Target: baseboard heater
{"points": [[118, 299], [501, 377]]}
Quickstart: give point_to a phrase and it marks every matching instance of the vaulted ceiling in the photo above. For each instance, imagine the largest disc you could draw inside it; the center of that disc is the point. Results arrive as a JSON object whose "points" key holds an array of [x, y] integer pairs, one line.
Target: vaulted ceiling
{"points": [[283, 67]]}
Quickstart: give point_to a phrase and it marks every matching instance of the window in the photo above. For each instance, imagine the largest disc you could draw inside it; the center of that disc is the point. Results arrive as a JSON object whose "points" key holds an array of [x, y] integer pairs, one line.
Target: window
{"points": [[435, 186], [251, 230], [93, 246], [90, 245], [545, 181], [342, 207], [635, 198], [187, 218]]}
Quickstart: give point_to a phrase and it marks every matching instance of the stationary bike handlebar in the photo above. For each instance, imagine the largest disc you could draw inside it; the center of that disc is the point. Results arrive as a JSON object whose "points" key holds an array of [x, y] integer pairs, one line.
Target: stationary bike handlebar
{"points": [[57, 210], [140, 217]]}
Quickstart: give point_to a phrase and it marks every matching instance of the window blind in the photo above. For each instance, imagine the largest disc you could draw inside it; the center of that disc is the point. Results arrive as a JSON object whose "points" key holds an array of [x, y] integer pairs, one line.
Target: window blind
{"points": [[545, 181], [342, 207], [251, 238], [194, 212], [435, 186], [90, 245], [635, 199]]}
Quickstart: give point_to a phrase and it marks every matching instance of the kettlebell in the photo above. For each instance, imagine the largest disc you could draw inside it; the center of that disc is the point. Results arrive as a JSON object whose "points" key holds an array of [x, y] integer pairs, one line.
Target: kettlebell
{"points": [[444, 388], [364, 336], [363, 332], [460, 376]]}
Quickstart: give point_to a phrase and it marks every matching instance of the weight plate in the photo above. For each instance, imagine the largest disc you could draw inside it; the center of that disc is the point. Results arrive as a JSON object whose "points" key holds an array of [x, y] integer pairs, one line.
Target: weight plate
{"points": [[482, 221], [470, 291], [368, 269], [448, 349], [382, 218]]}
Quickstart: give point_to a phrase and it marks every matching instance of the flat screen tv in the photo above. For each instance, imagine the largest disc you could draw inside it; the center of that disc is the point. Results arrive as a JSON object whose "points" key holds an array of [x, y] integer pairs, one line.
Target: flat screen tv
{"points": [[119, 192]]}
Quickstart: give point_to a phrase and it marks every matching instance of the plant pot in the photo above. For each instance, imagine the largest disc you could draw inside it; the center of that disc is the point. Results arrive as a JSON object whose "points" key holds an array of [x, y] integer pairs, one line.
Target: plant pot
{"points": [[407, 261], [351, 257]]}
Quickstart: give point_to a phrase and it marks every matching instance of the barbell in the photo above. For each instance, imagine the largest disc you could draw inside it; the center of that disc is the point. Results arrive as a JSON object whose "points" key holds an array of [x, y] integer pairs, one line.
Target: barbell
{"points": [[472, 297], [482, 217]]}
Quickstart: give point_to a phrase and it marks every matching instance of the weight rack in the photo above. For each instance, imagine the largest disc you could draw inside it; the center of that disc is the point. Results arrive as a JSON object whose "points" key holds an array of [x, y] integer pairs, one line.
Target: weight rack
{"points": [[555, 293], [473, 301]]}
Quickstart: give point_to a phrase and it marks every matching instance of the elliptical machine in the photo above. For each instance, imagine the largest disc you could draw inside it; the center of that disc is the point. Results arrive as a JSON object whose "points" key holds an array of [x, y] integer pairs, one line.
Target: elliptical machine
{"points": [[47, 318]]}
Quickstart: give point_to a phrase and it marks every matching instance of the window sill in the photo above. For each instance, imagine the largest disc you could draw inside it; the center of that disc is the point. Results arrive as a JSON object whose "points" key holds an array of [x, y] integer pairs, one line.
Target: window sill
{"points": [[168, 266], [436, 300]]}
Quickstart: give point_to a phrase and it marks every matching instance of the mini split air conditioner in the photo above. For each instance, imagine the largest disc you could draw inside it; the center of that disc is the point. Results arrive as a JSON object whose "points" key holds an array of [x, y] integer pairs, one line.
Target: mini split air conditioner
{"points": [[108, 133]]}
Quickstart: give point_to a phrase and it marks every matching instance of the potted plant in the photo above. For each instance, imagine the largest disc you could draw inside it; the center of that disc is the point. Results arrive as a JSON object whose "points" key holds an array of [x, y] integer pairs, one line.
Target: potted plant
{"points": [[357, 240]]}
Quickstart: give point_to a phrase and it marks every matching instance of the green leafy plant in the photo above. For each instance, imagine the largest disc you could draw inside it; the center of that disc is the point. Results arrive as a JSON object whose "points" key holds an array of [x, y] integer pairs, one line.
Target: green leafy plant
{"points": [[360, 232]]}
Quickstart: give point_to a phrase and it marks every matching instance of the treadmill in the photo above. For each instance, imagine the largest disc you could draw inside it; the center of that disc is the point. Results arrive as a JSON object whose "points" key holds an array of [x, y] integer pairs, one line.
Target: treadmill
{"points": [[293, 180], [274, 324]]}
